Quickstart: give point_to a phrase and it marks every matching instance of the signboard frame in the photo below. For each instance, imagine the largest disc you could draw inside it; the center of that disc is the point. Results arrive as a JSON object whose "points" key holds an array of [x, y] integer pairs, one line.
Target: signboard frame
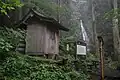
{"points": [[81, 44]]}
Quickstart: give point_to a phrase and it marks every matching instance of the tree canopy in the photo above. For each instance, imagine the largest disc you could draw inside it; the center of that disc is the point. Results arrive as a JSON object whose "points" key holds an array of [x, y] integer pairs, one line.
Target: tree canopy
{"points": [[6, 5]]}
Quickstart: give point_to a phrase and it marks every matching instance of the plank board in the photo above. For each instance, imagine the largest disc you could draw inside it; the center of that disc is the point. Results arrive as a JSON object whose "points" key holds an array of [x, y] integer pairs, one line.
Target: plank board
{"points": [[35, 39]]}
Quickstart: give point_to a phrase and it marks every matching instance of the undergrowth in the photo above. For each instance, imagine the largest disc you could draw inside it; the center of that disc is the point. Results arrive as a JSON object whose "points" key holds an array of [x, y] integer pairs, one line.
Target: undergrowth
{"points": [[23, 67]]}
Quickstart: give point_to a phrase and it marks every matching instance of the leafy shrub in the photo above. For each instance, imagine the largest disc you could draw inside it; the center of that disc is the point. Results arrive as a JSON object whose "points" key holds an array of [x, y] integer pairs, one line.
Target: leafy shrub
{"points": [[18, 67], [5, 46], [9, 39]]}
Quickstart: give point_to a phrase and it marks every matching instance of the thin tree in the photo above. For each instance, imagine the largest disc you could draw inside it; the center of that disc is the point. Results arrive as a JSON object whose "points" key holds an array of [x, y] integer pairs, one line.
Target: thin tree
{"points": [[58, 12], [94, 36], [116, 38]]}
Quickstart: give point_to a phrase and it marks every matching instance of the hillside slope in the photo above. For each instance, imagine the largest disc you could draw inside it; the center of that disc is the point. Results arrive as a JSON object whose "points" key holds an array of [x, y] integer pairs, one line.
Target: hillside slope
{"points": [[23, 67]]}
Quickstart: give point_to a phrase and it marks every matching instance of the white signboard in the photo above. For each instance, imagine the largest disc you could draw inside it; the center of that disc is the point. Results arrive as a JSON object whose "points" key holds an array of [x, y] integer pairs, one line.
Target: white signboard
{"points": [[81, 50]]}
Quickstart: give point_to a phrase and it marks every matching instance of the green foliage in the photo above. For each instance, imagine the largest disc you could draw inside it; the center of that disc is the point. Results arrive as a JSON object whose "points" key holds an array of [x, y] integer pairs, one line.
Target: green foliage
{"points": [[9, 5], [112, 64], [114, 13], [5, 46], [48, 7], [92, 60], [45, 6], [10, 39], [18, 67], [92, 57]]}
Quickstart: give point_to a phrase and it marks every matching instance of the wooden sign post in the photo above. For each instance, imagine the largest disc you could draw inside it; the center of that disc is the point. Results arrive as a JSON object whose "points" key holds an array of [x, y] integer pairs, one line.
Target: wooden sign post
{"points": [[81, 51], [101, 42]]}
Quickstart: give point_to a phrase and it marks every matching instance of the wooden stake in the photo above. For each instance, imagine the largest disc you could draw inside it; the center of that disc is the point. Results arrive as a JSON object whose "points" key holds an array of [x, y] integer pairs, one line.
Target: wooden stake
{"points": [[101, 42]]}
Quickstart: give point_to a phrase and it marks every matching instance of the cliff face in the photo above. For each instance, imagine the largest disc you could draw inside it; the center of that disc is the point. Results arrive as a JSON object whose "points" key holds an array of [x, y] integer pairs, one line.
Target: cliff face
{"points": [[83, 9]]}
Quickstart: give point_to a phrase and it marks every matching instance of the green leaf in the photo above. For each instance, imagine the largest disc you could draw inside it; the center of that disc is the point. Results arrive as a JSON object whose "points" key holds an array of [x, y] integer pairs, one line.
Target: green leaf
{"points": [[3, 11], [20, 5], [10, 8]]}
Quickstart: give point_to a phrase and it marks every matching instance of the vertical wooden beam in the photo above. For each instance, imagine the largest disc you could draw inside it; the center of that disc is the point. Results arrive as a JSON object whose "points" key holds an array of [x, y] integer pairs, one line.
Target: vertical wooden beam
{"points": [[100, 39]]}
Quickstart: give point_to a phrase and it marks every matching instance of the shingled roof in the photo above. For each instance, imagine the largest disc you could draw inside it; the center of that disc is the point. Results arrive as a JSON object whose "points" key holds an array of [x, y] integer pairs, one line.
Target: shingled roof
{"points": [[43, 18]]}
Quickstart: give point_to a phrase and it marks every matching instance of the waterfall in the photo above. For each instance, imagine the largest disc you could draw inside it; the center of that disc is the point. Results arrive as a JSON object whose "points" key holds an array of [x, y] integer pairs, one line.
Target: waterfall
{"points": [[84, 33]]}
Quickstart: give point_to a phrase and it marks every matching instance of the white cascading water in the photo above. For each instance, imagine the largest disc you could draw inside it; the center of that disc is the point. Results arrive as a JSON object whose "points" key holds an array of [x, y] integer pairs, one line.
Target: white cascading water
{"points": [[84, 33]]}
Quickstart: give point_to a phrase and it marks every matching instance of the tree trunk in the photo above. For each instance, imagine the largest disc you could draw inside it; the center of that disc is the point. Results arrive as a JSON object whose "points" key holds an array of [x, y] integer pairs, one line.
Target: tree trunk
{"points": [[58, 12], [116, 32], [94, 36]]}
